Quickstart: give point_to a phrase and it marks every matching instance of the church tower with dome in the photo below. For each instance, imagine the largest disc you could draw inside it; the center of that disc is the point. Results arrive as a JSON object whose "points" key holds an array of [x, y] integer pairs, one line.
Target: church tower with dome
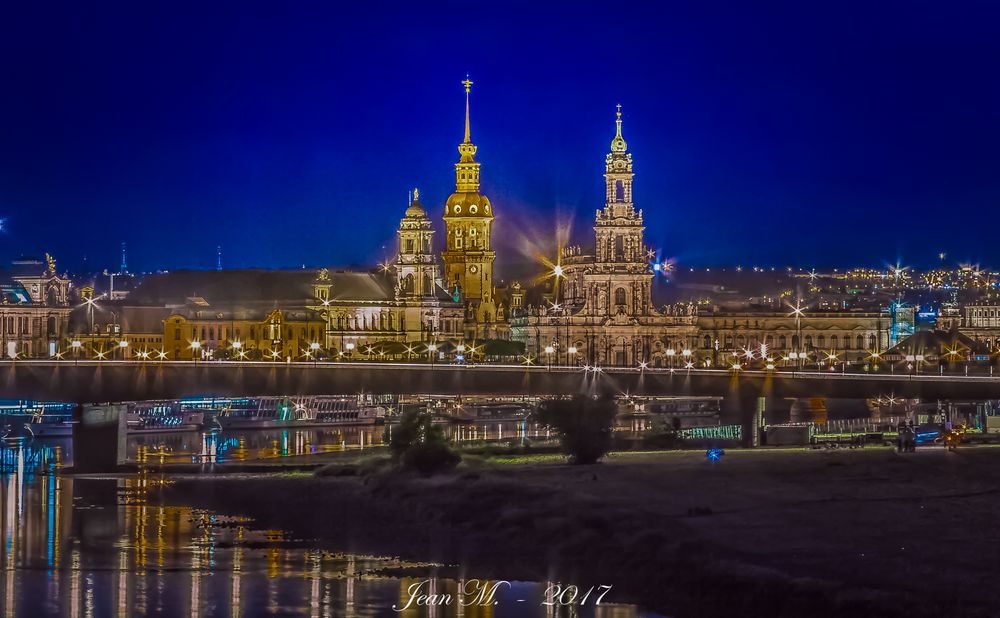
{"points": [[416, 266], [468, 255]]}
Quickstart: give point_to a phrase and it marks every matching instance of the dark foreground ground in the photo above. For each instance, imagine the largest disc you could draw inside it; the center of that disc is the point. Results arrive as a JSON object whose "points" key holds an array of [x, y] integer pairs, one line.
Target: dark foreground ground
{"points": [[763, 533]]}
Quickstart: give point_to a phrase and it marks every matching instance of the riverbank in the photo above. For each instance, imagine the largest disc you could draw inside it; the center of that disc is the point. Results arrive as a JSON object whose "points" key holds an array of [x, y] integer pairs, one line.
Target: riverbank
{"points": [[762, 533]]}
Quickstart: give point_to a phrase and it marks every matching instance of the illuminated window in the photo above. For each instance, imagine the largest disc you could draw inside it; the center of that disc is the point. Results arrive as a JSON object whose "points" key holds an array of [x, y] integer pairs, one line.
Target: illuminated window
{"points": [[457, 209], [473, 209]]}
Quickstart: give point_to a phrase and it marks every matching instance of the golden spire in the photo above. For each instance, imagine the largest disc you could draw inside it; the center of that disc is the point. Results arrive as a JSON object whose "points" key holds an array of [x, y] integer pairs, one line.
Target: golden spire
{"points": [[416, 194], [618, 144], [468, 87]]}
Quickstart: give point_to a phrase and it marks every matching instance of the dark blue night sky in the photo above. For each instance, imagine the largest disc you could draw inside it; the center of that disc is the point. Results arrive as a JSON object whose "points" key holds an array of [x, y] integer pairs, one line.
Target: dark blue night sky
{"points": [[811, 134]]}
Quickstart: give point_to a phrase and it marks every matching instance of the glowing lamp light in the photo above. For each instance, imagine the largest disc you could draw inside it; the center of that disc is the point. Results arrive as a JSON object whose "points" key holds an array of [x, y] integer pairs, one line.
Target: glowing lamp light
{"points": [[432, 347], [460, 347], [314, 345], [237, 345], [549, 349], [671, 352], [714, 454], [686, 353], [76, 344], [571, 349], [195, 345], [558, 271], [123, 344], [349, 346]]}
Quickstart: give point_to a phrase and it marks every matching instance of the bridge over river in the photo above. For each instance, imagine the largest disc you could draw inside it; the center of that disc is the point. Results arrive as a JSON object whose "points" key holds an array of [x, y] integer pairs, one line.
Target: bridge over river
{"points": [[746, 395], [117, 381]]}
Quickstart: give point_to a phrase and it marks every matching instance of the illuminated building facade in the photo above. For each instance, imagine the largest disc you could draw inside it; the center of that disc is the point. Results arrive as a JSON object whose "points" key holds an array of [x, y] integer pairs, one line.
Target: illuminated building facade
{"points": [[34, 309], [468, 254], [981, 322], [603, 313], [828, 337]]}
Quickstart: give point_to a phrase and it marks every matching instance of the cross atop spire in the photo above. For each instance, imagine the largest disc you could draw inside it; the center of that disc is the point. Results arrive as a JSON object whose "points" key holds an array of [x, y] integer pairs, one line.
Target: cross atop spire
{"points": [[468, 88], [618, 144]]}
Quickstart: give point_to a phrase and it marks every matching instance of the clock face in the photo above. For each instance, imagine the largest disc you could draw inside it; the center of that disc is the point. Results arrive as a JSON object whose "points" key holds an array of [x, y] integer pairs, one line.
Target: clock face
{"points": [[473, 269]]}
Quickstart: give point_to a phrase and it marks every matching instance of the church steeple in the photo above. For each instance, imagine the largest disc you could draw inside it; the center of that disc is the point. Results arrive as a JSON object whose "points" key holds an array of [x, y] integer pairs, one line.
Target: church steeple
{"points": [[468, 88], [618, 144], [467, 170], [468, 218]]}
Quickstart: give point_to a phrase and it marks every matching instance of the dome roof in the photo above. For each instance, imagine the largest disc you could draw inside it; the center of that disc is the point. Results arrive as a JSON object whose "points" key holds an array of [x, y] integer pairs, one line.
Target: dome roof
{"points": [[468, 205], [415, 210]]}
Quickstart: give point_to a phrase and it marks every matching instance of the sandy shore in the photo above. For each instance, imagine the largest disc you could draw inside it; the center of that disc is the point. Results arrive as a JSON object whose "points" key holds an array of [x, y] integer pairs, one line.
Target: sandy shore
{"points": [[763, 533]]}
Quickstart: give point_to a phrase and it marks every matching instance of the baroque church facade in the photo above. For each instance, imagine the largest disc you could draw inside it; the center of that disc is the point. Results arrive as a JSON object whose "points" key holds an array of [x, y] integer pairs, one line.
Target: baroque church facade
{"points": [[603, 313]]}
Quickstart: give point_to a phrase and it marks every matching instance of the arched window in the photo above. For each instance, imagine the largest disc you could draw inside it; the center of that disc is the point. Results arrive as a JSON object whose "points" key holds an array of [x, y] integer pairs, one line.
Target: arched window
{"points": [[809, 341], [729, 342], [619, 191], [795, 342], [861, 342], [821, 341], [781, 341], [872, 342], [834, 342], [707, 342], [620, 296], [847, 342]]}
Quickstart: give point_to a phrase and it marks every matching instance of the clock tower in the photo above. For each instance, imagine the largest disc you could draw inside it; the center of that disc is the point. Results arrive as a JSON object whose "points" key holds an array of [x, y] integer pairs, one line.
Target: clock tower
{"points": [[468, 218]]}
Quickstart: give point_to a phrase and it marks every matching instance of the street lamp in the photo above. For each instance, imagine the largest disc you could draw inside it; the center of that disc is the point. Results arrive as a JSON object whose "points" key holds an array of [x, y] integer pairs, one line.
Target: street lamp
{"points": [[432, 352], [195, 348], [571, 350], [670, 354], [123, 345], [314, 346], [76, 344]]}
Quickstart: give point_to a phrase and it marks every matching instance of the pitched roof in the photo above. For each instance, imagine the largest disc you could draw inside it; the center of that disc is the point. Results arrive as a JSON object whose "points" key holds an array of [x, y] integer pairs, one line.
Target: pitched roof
{"points": [[223, 287]]}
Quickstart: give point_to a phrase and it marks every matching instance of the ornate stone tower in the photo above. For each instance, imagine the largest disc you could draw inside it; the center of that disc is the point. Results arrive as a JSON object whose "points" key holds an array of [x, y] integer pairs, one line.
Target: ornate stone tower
{"points": [[621, 271], [468, 218], [416, 267]]}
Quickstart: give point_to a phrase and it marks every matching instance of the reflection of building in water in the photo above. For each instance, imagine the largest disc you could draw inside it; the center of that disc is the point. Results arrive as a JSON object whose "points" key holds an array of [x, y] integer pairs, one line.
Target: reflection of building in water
{"points": [[100, 547]]}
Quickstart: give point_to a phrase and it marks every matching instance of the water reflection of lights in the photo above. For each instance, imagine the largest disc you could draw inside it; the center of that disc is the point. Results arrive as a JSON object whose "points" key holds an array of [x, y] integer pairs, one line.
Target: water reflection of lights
{"points": [[128, 555]]}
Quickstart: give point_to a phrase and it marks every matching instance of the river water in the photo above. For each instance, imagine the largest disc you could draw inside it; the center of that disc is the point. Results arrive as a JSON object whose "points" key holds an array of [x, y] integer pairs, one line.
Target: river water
{"points": [[88, 546]]}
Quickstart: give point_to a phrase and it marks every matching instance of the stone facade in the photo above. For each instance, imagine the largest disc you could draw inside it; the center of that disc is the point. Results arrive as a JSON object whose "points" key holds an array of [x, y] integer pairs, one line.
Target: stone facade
{"points": [[603, 313], [34, 309]]}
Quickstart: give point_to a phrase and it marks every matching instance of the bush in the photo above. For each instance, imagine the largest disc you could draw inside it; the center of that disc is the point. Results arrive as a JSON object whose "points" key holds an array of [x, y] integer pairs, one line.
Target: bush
{"points": [[584, 424], [416, 444], [429, 458]]}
